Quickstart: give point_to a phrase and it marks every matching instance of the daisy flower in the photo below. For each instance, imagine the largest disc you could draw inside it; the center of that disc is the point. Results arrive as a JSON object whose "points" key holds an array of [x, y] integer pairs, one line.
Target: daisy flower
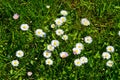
{"points": [[76, 51], [47, 54], [110, 49], [53, 26], [63, 54], [63, 19], [109, 63], [58, 22], [119, 33], [85, 22], [15, 16], [29, 73], [19, 53], [49, 62], [77, 62], [48, 6], [83, 59], [40, 33], [106, 55], [88, 39], [15, 62], [64, 12], [65, 37], [50, 47], [59, 32], [55, 43], [24, 27], [80, 46]]}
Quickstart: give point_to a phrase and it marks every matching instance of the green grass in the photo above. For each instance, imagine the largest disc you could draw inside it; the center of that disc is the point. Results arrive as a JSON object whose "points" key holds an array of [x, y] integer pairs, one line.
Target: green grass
{"points": [[104, 16]]}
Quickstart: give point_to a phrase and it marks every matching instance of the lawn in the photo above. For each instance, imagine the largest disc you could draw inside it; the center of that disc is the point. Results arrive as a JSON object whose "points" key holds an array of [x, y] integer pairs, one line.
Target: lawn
{"points": [[59, 39]]}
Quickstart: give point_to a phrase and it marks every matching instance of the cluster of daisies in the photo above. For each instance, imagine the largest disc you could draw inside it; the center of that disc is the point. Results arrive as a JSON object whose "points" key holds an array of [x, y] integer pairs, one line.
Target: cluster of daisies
{"points": [[106, 55], [55, 43], [50, 47], [59, 22], [77, 50], [47, 53], [79, 46], [19, 54]]}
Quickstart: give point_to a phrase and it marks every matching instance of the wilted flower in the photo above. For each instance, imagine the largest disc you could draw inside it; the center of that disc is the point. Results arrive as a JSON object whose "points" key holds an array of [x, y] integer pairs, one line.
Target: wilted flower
{"points": [[55, 43], [85, 22], [19, 53], [58, 22], [76, 51], [63, 54], [59, 32], [106, 55], [49, 62], [109, 63], [15, 62], [65, 37], [77, 62], [88, 39], [80, 46], [83, 59], [50, 47], [24, 27], [110, 49], [16, 16], [64, 12], [46, 54]]}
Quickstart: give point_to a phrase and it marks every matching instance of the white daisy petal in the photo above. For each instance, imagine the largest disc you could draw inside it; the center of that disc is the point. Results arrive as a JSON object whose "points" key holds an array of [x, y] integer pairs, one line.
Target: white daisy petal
{"points": [[15, 62], [49, 62], [24, 27], [19, 53], [85, 22], [109, 63]]}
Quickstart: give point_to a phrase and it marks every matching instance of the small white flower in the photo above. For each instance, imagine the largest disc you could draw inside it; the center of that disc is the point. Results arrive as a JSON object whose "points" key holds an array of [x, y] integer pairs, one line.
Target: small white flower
{"points": [[58, 22], [49, 62], [48, 6], [106, 55], [19, 53], [24, 27], [63, 19], [85, 22], [64, 12], [77, 62], [15, 16], [76, 51], [83, 59], [63, 54], [109, 63], [50, 47], [119, 33], [88, 39], [65, 37], [47, 54], [55, 43], [40, 33], [80, 46], [53, 26], [29, 73], [59, 32], [110, 49], [15, 62]]}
